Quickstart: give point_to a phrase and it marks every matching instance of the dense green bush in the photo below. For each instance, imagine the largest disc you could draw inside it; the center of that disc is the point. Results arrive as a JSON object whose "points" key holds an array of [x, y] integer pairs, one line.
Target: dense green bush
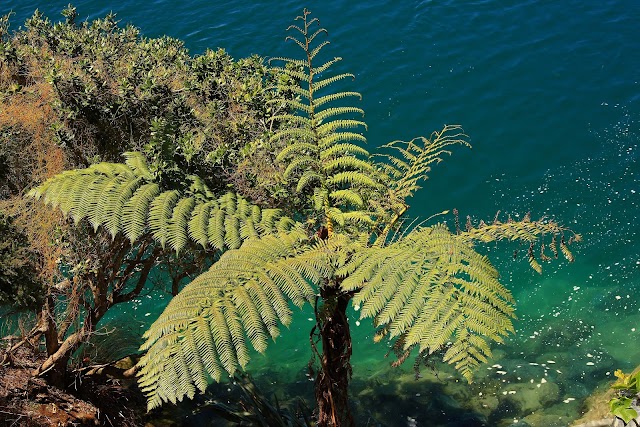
{"points": [[19, 286], [76, 93]]}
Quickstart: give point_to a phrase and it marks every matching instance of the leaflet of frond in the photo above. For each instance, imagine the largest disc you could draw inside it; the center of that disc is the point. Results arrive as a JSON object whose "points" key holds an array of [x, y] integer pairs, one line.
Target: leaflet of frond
{"points": [[299, 75], [160, 213], [135, 212], [332, 112], [138, 163], [178, 235], [307, 178], [352, 178], [326, 65], [344, 148], [343, 197], [297, 148], [199, 222], [299, 164], [330, 127], [346, 163], [319, 84], [334, 97]]}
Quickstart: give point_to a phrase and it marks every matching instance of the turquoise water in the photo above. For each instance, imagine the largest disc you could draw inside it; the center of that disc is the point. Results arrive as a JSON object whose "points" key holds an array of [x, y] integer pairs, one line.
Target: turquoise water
{"points": [[550, 94]]}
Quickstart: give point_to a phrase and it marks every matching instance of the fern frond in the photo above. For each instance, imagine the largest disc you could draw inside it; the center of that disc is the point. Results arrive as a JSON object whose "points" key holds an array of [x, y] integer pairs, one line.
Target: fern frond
{"points": [[135, 212], [300, 163], [416, 156], [120, 198], [299, 120], [301, 133], [240, 300], [138, 163], [430, 288], [314, 35], [297, 62], [317, 49], [299, 75], [359, 217], [292, 103], [160, 213], [293, 39]]}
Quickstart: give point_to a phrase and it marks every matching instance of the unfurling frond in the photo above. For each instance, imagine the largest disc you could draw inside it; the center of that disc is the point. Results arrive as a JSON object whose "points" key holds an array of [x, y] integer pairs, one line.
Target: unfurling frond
{"points": [[205, 330], [123, 199]]}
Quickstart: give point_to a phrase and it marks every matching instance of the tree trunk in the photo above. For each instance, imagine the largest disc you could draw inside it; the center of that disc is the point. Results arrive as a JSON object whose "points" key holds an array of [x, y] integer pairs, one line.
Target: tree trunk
{"points": [[55, 367], [332, 380]]}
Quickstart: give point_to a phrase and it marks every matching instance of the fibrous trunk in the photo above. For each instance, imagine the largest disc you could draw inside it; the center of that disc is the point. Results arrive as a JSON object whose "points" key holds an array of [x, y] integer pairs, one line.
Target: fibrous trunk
{"points": [[332, 380]]}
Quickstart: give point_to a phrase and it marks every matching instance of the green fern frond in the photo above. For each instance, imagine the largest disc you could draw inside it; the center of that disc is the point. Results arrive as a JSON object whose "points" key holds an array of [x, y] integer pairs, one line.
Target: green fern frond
{"points": [[160, 213], [240, 300], [295, 133], [199, 223], [135, 212], [297, 62], [318, 85], [120, 198], [138, 163], [430, 288], [360, 217], [416, 156], [292, 119], [299, 75], [334, 150], [320, 198], [304, 93], [292, 103], [317, 49], [178, 234], [307, 178]]}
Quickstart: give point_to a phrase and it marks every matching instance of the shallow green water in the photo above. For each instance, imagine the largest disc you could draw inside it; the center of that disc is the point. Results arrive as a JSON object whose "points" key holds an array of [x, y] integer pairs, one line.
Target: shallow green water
{"points": [[549, 93]]}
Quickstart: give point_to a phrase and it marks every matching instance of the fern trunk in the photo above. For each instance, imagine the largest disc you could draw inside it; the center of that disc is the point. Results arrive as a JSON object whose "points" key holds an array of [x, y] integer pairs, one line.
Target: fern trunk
{"points": [[332, 380]]}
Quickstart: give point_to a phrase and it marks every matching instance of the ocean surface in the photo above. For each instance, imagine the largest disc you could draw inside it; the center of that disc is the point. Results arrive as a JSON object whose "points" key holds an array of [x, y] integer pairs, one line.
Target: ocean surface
{"points": [[549, 92]]}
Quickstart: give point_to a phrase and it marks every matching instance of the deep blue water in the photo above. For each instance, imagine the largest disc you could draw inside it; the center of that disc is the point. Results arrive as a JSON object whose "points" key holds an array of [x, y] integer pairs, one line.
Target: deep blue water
{"points": [[549, 92]]}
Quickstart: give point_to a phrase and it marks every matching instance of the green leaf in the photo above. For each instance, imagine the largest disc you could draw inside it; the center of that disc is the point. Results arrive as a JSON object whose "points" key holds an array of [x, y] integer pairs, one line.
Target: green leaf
{"points": [[621, 408]]}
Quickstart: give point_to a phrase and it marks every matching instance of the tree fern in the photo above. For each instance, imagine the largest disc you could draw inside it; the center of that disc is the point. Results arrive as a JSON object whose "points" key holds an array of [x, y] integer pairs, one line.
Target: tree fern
{"points": [[426, 288]]}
